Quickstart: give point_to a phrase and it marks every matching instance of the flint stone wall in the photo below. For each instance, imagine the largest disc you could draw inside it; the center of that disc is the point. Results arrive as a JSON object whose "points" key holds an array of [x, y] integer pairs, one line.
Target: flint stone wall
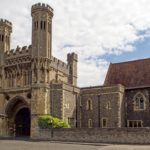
{"points": [[97, 135]]}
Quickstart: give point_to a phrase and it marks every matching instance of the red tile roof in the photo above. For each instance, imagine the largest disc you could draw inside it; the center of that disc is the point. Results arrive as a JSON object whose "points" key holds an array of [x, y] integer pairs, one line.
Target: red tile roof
{"points": [[130, 74]]}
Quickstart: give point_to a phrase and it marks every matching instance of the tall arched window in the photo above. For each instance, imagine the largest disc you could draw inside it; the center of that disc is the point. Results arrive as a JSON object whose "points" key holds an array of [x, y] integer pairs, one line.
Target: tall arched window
{"points": [[35, 25], [89, 105], [108, 105], [49, 27], [90, 124], [41, 25], [139, 101], [2, 38], [44, 25]]}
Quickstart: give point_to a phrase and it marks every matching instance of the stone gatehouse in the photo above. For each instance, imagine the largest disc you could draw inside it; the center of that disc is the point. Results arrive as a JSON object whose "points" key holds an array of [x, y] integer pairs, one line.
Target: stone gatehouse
{"points": [[33, 83]]}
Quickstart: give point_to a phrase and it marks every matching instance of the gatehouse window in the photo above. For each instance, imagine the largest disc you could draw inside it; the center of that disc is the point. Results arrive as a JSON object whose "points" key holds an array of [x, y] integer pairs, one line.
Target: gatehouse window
{"points": [[108, 106], [89, 105], [49, 27], [2, 38], [36, 25], [44, 25], [41, 25], [9, 81], [80, 102], [135, 123], [104, 122], [90, 123], [139, 102]]}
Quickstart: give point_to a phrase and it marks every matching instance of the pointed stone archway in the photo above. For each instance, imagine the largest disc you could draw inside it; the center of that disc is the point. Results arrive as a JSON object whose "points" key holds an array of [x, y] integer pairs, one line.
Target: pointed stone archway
{"points": [[18, 113], [22, 123]]}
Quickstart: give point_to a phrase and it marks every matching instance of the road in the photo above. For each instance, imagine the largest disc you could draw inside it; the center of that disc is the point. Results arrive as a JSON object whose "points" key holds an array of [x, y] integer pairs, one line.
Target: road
{"points": [[30, 145]]}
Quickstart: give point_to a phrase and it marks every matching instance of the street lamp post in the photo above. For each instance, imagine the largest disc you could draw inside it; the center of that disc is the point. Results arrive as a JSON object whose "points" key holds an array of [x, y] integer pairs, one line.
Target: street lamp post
{"points": [[51, 128]]}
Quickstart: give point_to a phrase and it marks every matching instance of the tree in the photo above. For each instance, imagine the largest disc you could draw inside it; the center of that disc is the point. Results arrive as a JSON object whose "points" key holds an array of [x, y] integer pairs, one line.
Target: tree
{"points": [[48, 122]]}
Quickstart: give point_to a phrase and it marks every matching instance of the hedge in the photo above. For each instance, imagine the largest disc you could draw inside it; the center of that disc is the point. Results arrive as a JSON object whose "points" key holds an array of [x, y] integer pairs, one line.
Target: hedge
{"points": [[48, 122]]}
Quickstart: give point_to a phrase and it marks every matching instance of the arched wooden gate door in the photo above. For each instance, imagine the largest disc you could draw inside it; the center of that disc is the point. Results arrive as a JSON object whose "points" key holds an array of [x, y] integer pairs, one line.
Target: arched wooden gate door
{"points": [[18, 113]]}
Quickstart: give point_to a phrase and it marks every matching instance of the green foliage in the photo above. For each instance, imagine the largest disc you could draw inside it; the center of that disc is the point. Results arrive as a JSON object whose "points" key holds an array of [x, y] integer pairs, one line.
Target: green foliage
{"points": [[48, 122]]}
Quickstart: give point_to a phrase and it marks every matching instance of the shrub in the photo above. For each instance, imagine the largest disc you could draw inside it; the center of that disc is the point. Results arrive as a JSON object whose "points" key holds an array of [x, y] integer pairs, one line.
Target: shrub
{"points": [[48, 122]]}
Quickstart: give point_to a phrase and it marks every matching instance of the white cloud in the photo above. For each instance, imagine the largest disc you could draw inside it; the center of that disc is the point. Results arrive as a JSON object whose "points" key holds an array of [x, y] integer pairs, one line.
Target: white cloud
{"points": [[91, 28]]}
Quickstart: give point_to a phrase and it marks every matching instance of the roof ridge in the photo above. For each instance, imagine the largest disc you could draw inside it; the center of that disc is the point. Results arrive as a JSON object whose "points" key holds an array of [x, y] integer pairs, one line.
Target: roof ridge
{"points": [[130, 74], [131, 61]]}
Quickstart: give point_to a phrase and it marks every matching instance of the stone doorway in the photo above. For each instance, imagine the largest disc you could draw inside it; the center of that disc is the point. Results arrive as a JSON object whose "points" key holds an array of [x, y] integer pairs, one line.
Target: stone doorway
{"points": [[22, 123], [19, 117]]}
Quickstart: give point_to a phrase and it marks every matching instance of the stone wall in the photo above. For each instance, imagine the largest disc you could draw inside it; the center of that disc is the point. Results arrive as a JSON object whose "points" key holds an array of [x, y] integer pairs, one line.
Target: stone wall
{"points": [[142, 115], [3, 126], [56, 96], [98, 135], [70, 98], [107, 103], [39, 105], [63, 99]]}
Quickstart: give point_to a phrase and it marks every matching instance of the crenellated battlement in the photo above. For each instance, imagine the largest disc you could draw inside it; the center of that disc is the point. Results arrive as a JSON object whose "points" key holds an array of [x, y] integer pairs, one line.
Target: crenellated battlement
{"points": [[5, 22], [41, 6], [60, 65], [18, 51], [72, 56]]}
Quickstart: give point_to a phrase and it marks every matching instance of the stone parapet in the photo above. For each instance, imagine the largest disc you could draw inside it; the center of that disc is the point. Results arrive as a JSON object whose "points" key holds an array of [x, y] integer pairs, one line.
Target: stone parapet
{"points": [[72, 56], [5, 22], [19, 51], [41, 6], [102, 89]]}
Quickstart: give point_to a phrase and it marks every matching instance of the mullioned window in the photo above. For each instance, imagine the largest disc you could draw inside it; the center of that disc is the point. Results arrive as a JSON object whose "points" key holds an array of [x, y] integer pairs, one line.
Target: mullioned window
{"points": [[139, 102]]}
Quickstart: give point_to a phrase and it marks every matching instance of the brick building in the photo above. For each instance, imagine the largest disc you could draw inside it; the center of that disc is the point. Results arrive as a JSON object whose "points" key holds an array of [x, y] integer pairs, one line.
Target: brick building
{"points": [[33, 82]]}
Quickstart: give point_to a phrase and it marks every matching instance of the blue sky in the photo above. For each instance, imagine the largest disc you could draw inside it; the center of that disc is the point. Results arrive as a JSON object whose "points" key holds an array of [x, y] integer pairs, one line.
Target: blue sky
{"points": [[141, 51], [99, 31]]}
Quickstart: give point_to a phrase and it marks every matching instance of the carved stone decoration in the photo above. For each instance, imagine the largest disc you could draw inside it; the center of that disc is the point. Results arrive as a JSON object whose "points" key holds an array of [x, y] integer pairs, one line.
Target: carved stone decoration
{"points": [[29, 95]]}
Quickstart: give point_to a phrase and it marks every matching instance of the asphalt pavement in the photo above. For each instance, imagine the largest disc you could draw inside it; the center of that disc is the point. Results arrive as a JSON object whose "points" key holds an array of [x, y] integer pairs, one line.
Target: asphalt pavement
{"points": [[46, 145]]}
